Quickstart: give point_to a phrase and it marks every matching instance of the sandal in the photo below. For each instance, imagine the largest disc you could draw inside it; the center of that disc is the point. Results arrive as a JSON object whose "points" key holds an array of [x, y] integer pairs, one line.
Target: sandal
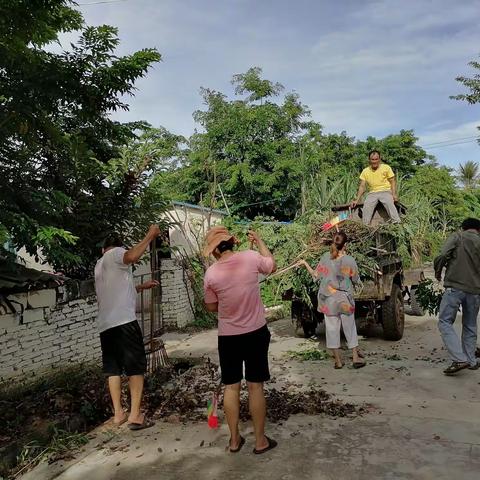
{"points": [[271, 445], [141, 426], [240, 445], [338, 367], [359, 364], [456, 367]]}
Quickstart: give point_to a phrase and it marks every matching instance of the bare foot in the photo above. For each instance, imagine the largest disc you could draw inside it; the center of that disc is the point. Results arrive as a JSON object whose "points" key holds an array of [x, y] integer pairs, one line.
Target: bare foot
{"points": [[264, 444], [119, 419], [235, 443]]}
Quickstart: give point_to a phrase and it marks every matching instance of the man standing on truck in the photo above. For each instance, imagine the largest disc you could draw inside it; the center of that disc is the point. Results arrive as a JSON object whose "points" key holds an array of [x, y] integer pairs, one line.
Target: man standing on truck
{"points": [[461, 257], [380, 179]]}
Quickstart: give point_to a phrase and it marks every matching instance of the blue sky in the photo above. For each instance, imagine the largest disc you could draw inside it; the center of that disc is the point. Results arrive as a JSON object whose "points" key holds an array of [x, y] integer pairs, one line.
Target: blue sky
{"points": [[366, 67]]}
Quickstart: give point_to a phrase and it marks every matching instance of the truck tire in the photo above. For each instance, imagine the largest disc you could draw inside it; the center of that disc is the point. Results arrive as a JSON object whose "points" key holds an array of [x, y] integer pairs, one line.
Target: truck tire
{"points": [[415, 307], [393, 315], [309, 329]]}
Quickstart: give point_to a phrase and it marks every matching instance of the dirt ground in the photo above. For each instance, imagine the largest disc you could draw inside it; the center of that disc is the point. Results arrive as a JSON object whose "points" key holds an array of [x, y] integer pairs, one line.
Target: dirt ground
{"points": [[420, 424]]}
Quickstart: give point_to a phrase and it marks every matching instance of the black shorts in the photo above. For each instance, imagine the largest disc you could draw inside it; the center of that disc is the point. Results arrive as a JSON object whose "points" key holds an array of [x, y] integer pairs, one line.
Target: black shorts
{"points": [[123, 351], [251, 348]]}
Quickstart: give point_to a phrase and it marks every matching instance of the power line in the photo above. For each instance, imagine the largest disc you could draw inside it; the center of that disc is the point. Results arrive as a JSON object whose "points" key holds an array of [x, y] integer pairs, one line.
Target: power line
{"points": [[450, 140], [451, 144]]}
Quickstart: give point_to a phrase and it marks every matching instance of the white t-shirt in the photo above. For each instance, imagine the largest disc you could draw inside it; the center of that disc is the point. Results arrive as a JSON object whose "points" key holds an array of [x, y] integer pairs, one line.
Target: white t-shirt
{"points": [[116, 294]]}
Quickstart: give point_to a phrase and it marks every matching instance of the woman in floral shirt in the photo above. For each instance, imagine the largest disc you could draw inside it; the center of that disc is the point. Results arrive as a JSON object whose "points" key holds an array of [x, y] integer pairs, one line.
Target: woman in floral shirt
{"points": [[337, 273]]}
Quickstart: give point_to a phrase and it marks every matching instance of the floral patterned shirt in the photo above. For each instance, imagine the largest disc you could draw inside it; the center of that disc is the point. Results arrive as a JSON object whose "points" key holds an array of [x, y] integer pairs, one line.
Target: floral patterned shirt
{"points": [[337, 278]]}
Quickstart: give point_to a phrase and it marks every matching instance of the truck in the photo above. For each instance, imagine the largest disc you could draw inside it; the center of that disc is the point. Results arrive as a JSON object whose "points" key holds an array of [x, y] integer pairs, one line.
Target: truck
{"points": [[382, 299]]}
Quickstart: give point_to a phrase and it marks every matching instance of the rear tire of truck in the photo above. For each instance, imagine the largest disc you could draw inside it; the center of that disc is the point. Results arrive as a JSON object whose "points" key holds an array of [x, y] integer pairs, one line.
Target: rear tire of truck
{"points": [[415, 307], [393, 315]]}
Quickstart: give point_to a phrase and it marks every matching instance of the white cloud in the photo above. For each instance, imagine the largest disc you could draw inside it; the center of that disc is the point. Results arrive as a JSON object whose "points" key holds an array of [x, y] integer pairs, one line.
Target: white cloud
{"points": [[370, 67], [463, 131]]}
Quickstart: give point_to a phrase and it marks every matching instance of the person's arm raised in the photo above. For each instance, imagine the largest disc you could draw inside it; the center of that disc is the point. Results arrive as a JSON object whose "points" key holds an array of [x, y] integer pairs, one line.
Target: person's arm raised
{"points": [[136, 252], [254, 238]]}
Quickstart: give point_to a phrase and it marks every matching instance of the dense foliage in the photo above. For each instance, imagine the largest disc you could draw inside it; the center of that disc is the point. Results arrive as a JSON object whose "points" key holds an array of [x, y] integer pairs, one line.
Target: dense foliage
{"points": [[67, 176], [256, 156], [71, 173]]}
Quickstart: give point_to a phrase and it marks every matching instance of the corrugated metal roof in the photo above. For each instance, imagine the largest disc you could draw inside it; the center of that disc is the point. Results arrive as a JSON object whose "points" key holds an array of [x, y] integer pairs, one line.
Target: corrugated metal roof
{"points": [[199, 207]]}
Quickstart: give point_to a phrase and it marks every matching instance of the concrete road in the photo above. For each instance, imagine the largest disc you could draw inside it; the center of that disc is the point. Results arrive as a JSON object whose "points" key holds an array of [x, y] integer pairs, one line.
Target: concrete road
{"points": [[420, 425]]}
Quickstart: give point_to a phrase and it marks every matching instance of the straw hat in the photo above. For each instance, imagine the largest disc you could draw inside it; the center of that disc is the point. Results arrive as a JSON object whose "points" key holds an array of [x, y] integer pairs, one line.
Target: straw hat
{"points": [[214, 237]]}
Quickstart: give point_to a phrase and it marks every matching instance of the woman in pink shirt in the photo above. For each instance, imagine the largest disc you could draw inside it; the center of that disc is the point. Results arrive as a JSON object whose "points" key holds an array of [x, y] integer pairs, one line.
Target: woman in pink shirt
{"points": [[232, 289]]}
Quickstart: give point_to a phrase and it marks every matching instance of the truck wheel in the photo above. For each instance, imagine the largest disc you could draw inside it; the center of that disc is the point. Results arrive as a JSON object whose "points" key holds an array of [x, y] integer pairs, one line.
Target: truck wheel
{"points": [[415, 306], [309, 329], [393, 315]]}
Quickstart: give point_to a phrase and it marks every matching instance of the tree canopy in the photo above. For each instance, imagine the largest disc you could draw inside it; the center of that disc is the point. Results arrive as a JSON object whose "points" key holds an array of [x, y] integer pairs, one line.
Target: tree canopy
{"points": [[57, 138], [261, 154]]}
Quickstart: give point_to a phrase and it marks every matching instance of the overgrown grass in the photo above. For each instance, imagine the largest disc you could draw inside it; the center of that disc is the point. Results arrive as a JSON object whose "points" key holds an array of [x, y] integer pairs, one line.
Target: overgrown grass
{"points": [[62, 446]]}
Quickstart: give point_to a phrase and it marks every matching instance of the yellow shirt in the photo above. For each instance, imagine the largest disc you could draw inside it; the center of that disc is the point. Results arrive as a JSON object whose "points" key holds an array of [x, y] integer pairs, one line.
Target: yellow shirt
{"points": [[377, 180]]}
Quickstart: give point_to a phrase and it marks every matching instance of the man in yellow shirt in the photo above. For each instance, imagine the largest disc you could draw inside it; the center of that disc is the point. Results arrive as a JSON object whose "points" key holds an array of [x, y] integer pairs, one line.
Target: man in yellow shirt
{"points": [[380, 179]]}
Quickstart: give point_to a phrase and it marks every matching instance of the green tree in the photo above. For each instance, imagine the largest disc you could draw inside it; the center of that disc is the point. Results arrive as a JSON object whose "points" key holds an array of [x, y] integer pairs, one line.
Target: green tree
{"points": [[247, 152], [57, 137], [437, 186], [263, 156], [399, 150], [468, 174], [472, 84]]}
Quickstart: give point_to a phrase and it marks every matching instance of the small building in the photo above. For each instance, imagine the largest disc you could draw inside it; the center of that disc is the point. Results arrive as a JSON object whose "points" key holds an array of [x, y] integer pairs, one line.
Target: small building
{"points": [[189, 224]]}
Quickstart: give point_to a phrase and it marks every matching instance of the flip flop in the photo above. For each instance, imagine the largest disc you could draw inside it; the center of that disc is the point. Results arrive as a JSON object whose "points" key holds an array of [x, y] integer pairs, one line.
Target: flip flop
{"points": [[359, 364], [240, 445], [338, 367], [141, 426], [271, 445]]}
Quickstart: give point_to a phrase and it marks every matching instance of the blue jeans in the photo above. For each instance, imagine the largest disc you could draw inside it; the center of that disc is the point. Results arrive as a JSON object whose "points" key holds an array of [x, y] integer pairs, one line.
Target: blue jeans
{"points": [[464, 350]]}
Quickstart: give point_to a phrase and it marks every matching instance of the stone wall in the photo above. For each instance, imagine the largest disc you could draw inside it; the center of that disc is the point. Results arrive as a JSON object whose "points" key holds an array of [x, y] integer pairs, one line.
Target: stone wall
{"points": [[56, 327]]}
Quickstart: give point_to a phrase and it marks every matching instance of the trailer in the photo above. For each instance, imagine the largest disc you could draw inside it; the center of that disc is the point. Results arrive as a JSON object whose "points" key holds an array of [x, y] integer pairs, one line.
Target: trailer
{"points": [[382, 299]]}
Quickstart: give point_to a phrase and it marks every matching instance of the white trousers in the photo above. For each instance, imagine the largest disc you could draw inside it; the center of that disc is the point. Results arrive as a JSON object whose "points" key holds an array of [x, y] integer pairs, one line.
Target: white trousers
{"points": [[332, 329]]}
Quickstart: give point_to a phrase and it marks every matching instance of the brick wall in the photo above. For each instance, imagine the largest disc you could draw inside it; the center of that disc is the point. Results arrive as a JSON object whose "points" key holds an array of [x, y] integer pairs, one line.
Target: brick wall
{"points": [[57, 327], [177, 295], [48, 334]]}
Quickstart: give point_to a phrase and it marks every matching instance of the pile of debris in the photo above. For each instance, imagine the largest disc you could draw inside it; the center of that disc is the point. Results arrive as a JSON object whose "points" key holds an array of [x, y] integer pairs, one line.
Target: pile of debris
{"points": [[184, 398]]}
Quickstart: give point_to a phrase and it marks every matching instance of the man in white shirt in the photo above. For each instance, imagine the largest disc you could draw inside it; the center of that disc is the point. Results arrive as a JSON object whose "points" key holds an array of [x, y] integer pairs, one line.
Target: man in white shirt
{"points": [[123, 350]]}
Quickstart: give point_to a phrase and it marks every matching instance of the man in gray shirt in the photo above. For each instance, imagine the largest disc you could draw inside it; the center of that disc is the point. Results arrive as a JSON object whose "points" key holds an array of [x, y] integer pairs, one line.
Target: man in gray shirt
{"points": [[461, 257]]}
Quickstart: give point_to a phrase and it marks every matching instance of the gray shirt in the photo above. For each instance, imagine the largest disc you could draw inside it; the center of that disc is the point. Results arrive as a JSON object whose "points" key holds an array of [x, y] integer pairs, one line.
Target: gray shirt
{"points": [[461, 257]]}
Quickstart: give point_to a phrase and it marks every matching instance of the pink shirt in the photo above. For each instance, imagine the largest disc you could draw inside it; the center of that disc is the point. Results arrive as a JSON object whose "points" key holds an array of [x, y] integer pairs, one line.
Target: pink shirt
{"points": [[233, 283]]}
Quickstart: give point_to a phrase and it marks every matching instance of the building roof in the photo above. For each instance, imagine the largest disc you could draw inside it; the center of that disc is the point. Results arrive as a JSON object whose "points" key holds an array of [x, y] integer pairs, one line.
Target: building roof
{"points": [[199, 207], [15, 278]]}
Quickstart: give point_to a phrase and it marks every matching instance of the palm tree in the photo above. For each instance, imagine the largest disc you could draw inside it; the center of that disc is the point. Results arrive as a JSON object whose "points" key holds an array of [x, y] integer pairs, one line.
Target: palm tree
{"points": [[468, 174]]}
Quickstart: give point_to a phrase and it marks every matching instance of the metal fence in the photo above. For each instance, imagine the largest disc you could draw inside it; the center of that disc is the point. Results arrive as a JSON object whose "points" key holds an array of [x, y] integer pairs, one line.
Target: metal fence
{"points": [[149, 306]]}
